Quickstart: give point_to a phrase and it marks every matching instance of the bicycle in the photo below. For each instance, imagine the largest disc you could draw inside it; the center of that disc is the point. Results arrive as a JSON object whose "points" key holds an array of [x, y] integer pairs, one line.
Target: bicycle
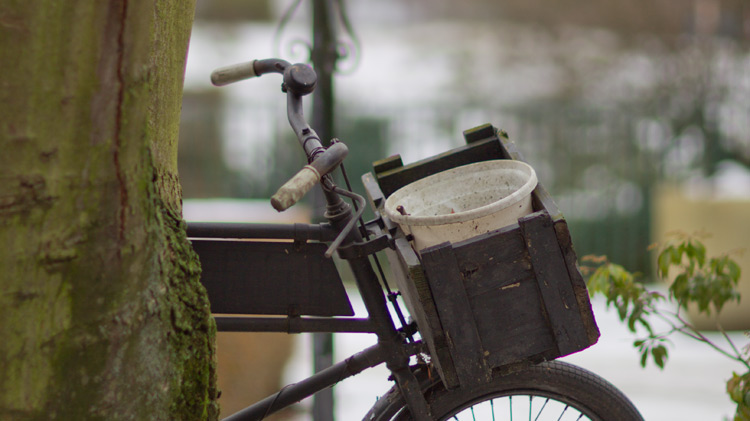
{"points": [[454, 360]]}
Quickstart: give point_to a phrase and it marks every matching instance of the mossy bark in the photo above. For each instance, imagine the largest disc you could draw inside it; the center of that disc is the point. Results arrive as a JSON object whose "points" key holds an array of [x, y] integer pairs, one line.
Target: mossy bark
{"points": [[102, 315]]}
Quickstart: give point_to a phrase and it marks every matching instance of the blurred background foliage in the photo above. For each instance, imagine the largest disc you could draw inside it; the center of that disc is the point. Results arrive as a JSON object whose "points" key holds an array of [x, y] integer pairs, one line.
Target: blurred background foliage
{"points": [[606, 99]]}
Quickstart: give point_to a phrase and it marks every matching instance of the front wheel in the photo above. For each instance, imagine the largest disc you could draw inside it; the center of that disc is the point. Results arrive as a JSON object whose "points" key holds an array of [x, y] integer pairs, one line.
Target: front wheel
{"points": [[548, 391]]}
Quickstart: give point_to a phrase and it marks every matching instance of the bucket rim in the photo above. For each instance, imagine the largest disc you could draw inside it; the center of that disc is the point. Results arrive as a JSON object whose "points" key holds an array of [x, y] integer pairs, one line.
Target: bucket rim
{"points": [[459, 217]]}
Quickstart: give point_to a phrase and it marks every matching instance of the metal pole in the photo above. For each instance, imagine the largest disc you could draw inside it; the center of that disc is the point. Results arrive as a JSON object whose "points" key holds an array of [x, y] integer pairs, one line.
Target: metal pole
{"points": [[324, 62], [324, 58]]}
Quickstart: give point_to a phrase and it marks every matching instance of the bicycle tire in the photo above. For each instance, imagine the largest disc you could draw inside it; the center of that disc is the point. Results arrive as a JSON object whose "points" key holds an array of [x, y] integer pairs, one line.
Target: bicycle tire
{"points": [[581, 393]]}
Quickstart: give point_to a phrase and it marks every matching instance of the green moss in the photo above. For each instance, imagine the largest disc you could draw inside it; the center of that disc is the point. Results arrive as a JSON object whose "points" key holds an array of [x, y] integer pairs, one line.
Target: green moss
{"points": [[194, 389]]}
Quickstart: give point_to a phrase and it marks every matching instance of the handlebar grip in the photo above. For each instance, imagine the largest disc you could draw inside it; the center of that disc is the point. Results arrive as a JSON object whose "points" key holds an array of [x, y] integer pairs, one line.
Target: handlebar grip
{"points": [[236, 72], [294, 189]]}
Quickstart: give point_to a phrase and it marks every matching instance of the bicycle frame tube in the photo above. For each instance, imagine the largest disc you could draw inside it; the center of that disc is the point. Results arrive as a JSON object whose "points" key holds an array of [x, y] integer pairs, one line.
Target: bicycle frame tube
{"points": [[368, 358], [390, 348], [294, 324], [297, 232], [397, 359]]}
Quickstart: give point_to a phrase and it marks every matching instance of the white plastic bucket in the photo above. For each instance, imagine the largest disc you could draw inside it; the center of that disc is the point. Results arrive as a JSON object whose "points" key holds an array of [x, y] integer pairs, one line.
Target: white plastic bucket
{"points": [[463, 202]]}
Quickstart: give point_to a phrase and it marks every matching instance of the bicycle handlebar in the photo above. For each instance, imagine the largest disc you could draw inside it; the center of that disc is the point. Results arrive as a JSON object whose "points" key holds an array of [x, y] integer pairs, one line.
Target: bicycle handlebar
{"points": [[294, 189], [299, 80], [254, 68]]}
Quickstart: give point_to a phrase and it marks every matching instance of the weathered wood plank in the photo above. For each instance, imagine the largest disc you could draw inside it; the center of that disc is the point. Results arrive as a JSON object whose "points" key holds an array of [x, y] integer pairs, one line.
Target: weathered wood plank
{"points": [[412, 283], [374, 194], [511, 323], [554, 282], [478, 133], [577, 282], [493, 260], [456, 316], [386, 164], [395, 178]]}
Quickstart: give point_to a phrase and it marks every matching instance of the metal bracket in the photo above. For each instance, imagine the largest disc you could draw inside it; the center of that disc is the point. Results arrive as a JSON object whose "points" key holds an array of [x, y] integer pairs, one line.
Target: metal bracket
{"points": [[366, 248]]}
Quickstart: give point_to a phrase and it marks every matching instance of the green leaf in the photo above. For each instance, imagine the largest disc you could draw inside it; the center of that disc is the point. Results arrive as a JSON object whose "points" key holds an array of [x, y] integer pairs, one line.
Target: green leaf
{"points": [[635, 316], [699, 251], [622, 310], [676, 254], [734, 389], [679, 289], [734, 271], [664, 261], [718, 264], [659, 353]]}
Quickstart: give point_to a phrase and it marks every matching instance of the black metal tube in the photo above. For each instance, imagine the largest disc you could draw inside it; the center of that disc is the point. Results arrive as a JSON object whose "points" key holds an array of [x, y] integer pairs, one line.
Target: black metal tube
{"points": [[293, 324], [291, 394], [396, 354], [331, 158], [324, 57], [305, 134], [270, 65], [324, 39], [301, 232]]}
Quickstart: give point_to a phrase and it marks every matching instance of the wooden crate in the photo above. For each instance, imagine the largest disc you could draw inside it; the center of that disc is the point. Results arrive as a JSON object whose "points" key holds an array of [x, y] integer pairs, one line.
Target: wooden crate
{"points": [[499, 301]]}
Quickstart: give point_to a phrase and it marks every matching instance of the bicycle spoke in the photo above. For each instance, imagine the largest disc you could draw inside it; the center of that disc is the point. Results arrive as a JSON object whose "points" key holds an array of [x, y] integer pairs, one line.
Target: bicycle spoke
{"points": [[510, 404], [531, 399], [541, 409]]}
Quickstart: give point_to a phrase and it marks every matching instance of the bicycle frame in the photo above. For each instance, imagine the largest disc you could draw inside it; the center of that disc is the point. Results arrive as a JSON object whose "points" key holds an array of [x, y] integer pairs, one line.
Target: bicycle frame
{"points": [[391, 348]]}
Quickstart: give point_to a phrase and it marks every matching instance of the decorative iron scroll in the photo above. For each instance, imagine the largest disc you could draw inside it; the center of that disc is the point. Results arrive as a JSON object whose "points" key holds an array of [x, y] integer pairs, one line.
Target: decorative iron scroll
{"points": [[348, 48]]}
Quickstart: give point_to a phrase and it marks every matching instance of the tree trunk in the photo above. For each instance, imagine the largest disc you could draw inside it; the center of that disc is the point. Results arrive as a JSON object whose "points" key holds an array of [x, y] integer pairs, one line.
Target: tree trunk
{"points": [[102, 315]]}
